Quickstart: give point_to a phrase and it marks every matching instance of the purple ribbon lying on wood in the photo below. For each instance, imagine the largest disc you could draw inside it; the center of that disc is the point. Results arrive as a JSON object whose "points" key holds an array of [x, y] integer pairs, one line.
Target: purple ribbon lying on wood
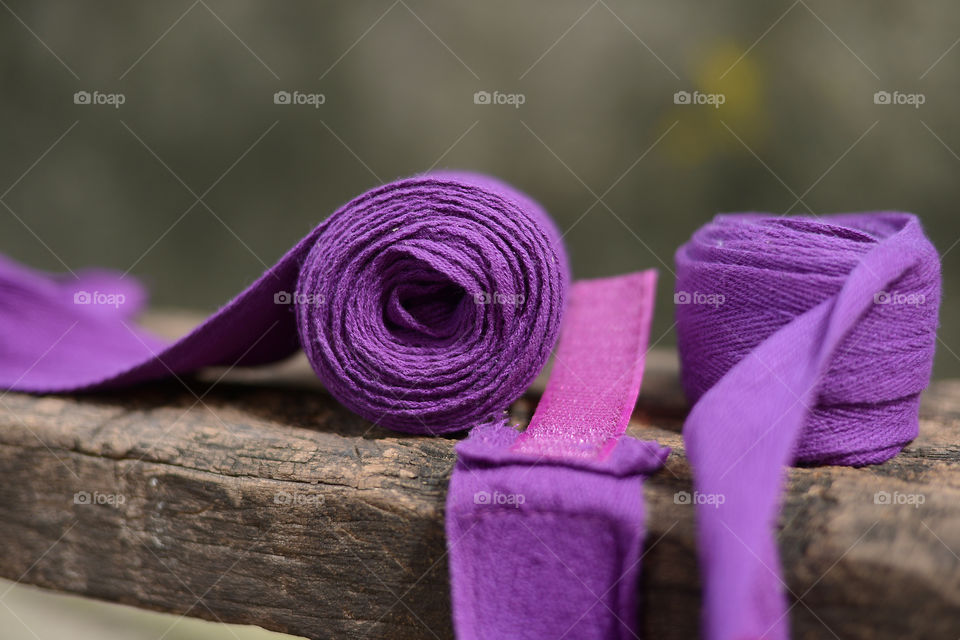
{"points": [[545, 528], [429, 304], [802, 341], [426, 305]]}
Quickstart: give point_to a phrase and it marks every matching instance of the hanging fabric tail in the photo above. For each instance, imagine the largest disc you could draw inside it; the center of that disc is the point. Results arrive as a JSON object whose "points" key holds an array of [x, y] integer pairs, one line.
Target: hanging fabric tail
{"points": [[545, 528], [425, 305], [803, 341]]}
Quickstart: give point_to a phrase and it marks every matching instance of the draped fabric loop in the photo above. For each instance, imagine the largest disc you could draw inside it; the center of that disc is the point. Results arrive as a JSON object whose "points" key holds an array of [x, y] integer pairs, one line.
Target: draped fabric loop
{"points": [[429, 304], [425, 305], [802, 340]]}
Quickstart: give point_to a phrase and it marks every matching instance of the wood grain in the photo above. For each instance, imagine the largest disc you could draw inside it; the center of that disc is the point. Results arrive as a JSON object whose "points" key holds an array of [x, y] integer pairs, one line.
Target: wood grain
{"points": [[257, 499]]}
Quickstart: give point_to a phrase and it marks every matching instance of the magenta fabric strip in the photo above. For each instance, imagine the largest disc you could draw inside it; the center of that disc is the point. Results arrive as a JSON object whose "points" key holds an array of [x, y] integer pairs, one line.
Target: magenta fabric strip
{"points": [[597, 370], [802, 341], [425, 305], [545, 528]]}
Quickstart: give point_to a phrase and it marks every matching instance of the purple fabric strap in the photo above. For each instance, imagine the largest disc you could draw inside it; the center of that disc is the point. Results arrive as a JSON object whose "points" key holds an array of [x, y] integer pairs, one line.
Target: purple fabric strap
{"points": [[545, 528], [426, 305], [803, 341]]}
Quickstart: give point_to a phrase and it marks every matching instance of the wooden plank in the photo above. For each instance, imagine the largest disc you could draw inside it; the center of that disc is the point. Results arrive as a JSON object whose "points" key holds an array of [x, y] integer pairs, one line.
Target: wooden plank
{"points": [[257, 499]]}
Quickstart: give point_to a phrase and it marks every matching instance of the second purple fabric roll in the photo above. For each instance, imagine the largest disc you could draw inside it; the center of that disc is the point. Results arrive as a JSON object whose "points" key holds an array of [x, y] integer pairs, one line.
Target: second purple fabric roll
{"points": [[425, 305], [802, 341]]}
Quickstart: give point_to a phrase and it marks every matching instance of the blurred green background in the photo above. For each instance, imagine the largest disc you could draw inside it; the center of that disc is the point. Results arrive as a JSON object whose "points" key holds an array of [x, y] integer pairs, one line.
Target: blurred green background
{"points": [[799, 130], [200, 180]]}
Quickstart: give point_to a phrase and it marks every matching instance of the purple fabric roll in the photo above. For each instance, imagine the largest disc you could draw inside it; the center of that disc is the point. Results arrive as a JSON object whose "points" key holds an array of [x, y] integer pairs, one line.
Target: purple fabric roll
{"points": [[802, 341], [426, 305]]}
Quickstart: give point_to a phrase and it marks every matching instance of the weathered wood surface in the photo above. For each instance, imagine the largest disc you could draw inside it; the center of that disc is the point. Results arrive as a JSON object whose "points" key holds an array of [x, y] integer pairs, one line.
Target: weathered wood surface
{"points": [[257, 499]]}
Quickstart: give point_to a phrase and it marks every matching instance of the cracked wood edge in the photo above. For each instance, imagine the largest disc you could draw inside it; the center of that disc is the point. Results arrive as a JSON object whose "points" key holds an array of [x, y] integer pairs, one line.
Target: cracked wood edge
{"points": [[268, 504]]}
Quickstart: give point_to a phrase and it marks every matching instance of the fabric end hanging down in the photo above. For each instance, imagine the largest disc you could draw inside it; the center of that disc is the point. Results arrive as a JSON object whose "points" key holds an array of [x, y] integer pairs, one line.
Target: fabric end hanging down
{"points": [[802, 341]]}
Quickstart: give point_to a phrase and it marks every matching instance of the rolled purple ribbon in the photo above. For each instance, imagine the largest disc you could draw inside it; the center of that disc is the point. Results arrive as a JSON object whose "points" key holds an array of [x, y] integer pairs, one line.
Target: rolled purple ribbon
{"points": [[426, 305], [802, 341]]}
